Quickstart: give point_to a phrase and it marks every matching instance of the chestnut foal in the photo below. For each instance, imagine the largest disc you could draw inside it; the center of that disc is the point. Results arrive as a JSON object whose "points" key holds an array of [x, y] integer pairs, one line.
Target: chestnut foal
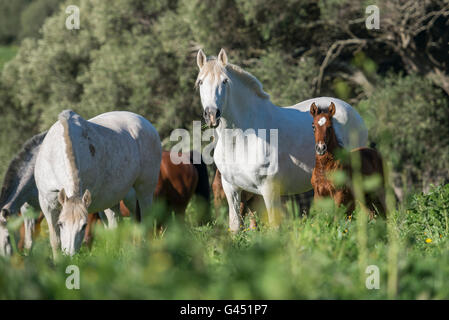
{"points": [[328, 160]]}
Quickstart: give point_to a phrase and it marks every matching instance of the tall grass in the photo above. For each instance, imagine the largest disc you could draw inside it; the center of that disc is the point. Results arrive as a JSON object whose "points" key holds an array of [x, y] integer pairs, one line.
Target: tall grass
{"points": [[316, 257]]}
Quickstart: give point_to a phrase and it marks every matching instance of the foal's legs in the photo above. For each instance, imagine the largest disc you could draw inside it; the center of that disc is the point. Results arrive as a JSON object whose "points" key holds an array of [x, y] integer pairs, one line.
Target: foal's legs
{"points": [[233, 195]]}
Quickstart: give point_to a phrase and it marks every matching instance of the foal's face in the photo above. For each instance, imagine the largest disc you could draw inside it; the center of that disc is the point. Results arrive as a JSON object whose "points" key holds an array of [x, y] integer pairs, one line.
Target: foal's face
{"points": [[213, 85], [322, 127], [72, 221]]}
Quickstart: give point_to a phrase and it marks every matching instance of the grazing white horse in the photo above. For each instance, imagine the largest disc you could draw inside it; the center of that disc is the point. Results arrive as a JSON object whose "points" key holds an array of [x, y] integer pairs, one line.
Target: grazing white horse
{"points": [[235, 103], [90, 166]]}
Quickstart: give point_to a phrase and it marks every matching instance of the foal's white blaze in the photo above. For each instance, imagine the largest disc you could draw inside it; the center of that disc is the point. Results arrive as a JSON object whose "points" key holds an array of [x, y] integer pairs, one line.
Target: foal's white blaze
{"points": [[322, 121]]}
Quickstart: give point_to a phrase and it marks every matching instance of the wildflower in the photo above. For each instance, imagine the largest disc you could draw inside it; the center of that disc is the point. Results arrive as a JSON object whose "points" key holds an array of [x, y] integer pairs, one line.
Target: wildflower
{"points": [[346, 230], [428, 240]]}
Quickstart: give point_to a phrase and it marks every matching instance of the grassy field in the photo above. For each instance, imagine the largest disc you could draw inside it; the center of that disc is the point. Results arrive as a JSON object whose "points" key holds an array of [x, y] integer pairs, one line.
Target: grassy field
{"points": [[6, 54], [323, 256]]}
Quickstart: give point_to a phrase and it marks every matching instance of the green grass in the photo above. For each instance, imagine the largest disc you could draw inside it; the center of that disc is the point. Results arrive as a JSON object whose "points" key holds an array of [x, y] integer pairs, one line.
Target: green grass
{"points": [[318, 257], [6, 54]]}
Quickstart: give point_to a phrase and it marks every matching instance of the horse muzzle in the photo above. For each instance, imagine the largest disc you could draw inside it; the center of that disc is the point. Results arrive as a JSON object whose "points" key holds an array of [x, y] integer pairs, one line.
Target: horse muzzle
{"points": [[212, 117], [320, 148]]}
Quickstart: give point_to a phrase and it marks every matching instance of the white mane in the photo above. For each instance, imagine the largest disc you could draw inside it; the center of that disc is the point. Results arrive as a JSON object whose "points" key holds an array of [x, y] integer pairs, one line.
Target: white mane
{"points": [[213, 67]]}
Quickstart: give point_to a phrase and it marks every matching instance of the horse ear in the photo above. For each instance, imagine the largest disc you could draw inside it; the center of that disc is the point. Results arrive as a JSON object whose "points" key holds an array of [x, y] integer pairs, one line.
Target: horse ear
{"points": [[222, 57], [62, 197], [200, 59], [313, 109], [87, 200], [332, 109]]}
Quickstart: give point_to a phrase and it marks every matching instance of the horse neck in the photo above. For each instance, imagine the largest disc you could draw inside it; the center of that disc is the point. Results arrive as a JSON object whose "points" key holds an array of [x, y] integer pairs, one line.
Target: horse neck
{"points": [[244, 109], [328, 161]]}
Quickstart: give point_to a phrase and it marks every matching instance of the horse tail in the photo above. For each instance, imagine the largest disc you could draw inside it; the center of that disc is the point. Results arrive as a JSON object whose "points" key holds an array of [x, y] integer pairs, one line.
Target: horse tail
{"points": [[202, 187]]}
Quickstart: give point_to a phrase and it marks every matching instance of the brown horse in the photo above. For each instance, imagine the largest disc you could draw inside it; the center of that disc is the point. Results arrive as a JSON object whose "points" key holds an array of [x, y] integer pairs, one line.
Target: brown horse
{"points": [[329, 160], [179, 182]]}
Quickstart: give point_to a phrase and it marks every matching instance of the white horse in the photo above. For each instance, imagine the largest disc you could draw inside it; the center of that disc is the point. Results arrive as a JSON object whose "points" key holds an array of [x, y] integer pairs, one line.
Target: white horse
{"points": [[90, 166], [235, 103]]}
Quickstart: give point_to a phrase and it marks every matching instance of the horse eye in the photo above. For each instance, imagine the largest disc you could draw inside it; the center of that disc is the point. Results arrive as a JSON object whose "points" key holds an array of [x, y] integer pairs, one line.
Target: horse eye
{"points": [[200, 82], [225, 80]]}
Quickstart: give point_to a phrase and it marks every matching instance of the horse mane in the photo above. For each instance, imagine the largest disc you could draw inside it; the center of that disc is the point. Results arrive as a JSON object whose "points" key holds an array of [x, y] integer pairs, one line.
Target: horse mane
{"points": [[213, 67], [64, 117], [17, 164]]}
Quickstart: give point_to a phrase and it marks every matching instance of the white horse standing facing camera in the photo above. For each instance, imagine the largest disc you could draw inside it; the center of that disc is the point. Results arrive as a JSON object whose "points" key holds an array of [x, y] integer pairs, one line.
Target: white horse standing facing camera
{"points": [[90, 166], [235, 103]]}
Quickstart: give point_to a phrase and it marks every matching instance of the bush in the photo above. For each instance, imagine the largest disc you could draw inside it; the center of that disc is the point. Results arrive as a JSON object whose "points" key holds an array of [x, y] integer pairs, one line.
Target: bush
{"points": [[10, 19], [33, 16], [408, 118]]}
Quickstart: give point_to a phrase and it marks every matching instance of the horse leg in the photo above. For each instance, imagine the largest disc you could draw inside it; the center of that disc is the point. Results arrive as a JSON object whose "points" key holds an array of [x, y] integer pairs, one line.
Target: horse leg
{"points": [[51, 212], [144, 193], [233, 195], [5, 241], [272, 199], [22, 232], [37, 229], [112, 215], [88, 234], [103, 218], [29, 226]]}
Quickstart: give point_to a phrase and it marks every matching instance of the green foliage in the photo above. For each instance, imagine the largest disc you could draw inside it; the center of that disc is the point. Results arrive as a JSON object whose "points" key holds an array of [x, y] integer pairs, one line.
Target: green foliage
{"points": [[6, 54], [408, 118], [10, 19], [307, 258], [428, 218], [33, 16], [297, 78]]}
